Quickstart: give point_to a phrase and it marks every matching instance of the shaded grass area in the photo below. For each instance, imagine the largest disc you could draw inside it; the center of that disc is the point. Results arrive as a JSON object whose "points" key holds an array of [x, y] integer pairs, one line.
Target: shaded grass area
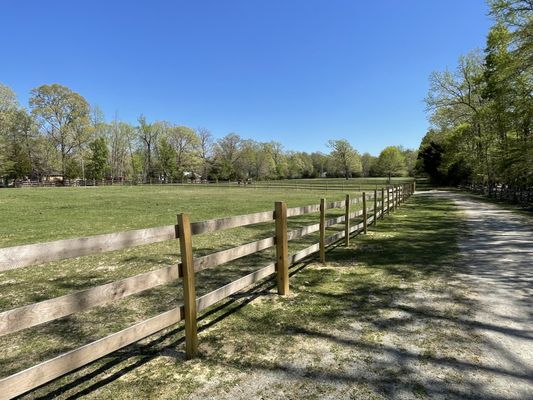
{"points": [[384, 318]]}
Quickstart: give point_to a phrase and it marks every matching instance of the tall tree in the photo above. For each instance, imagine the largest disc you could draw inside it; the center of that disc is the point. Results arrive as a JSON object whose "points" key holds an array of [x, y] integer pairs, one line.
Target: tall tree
{"points": [[319, 161], [227, 154], [482, 114], [99, 155], [118, 140], [368, 163], [345, 158], [167, 160], [17, 138], [185, 143], [8, 99], [205, 149], [148, 135], [410, 157], [391, 162], [64, 116]]}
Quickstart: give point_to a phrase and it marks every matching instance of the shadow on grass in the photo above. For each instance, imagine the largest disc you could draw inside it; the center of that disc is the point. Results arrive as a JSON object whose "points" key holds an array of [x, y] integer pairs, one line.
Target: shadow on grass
{"points": [[415, 247], [142, 354]]}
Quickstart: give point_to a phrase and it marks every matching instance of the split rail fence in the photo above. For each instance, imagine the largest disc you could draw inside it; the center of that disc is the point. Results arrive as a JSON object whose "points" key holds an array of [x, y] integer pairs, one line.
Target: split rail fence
{"points": [[384, 201], [515, 194]]}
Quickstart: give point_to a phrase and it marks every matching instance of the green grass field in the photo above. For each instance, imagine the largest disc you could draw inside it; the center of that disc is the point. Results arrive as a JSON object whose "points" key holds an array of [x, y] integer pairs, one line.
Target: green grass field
{"points": [[37, 215], [338, 314]]}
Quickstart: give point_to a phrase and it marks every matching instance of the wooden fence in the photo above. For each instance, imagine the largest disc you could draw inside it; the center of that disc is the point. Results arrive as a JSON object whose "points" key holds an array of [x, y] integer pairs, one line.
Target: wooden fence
{"points": [[381, 201], [301, 184], [514, 194]]}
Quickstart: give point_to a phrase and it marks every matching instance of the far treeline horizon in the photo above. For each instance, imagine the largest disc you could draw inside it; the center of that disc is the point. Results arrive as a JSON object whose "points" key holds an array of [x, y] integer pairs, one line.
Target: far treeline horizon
{"points": [[62, 135], [480, 116]]}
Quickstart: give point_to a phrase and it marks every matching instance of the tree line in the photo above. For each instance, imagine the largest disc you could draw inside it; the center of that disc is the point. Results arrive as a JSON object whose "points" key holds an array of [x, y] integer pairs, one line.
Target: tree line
{"points": [[61, 135], [482, 112]]}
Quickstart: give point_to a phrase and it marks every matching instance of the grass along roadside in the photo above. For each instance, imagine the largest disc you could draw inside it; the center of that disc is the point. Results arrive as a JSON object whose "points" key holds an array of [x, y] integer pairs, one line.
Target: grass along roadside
{"points": [[382, 317]]}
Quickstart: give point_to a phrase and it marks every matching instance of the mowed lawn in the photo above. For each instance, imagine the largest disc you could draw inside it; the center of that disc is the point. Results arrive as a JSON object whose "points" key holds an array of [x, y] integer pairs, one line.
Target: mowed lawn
{"points": [[36, 215], [383, 318], [39, 215]]}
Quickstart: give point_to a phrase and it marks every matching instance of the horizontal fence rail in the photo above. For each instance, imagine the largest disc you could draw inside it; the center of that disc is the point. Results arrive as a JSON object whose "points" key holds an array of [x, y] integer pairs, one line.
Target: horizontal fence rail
{"points": [[21, 256], [49, 310], [375, 205]]}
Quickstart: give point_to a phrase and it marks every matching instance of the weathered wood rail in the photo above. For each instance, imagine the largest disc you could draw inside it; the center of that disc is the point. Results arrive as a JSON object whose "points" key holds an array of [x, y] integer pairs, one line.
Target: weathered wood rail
{"points": [[382, 202]]}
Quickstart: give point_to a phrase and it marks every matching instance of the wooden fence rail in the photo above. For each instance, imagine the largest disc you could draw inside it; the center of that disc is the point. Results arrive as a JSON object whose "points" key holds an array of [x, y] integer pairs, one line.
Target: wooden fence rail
{"points": [[45, 311], [514, 194]]}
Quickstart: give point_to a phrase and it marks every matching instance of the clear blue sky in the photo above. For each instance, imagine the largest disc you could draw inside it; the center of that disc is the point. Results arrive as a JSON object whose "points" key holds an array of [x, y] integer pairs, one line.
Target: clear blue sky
{"points": [[296, 71]]}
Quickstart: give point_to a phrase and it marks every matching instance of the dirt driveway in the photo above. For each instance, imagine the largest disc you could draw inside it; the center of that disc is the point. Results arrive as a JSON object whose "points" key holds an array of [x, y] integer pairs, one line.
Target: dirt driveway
{"points": [[497, 248]]}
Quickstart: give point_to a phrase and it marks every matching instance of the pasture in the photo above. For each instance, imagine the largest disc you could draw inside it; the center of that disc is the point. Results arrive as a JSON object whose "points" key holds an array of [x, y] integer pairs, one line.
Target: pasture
{"points": [[46, 214], [39, 215]]}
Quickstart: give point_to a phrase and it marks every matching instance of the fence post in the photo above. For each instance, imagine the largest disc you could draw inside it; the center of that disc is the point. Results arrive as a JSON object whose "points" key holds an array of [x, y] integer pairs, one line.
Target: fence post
{"points": [[397, 198], [282, 248], [382, 203], [375, 207], [399, 195], [364, 213], [347, 222], [322, 241], [189, 291], [388, 200]]}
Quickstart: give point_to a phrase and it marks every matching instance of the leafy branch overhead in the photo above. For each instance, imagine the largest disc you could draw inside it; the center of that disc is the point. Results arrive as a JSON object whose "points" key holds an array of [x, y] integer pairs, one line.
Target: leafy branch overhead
{"points": [[482, 112]]}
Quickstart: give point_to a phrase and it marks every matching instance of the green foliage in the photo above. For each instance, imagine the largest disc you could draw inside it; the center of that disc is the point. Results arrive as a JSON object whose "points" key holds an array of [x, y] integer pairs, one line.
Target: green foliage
{"points": [[391, 162], [344, 158], [73, 169], [368, 164], [185, 143], [8, 99], [16, 137], [63, 115], [483, 112], [167, 160], [98, 162], [64, 135]]}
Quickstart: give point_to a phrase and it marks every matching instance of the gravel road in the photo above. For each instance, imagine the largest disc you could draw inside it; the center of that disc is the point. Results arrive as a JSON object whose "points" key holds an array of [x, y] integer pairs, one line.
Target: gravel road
{"points": [[497, 248]]}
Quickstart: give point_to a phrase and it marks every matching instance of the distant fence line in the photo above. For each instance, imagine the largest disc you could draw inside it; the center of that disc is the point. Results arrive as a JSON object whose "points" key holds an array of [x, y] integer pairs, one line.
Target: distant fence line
{"points": [[514, 194], [384, 201], [304, 184]]}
